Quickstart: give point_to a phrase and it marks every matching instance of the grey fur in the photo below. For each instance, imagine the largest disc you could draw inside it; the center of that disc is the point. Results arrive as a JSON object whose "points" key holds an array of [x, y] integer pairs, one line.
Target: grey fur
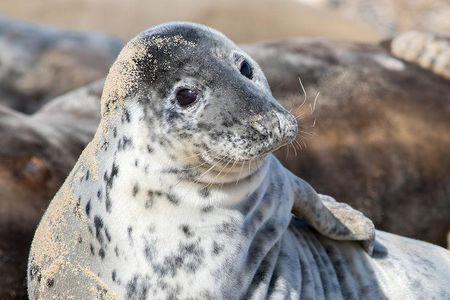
{"points": [[171, 202]]}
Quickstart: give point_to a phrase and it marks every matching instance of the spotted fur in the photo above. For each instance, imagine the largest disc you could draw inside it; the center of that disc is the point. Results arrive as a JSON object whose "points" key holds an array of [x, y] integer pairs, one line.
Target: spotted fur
{"points": [[171, 202]]}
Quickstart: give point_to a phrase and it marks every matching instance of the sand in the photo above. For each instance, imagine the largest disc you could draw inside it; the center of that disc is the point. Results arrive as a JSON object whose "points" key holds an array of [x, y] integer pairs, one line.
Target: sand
{"points": [[242, 21]]}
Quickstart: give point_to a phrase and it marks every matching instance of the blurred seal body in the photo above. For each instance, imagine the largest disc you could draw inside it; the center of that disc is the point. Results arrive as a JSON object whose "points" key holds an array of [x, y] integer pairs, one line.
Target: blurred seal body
{"points": [[428, 50], [178, 196]]}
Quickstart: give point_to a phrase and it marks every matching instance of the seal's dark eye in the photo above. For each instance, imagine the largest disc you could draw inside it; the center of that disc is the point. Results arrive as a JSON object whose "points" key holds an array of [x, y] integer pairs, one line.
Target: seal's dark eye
{"points": [[186, 97], [246, 69]]}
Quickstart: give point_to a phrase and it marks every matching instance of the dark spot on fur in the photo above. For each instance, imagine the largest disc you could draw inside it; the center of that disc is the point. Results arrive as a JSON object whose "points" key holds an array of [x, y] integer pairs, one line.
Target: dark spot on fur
{"points": [[88, 208], [126, 116], [108, 236], [131, 287], [226, 228], [35, 272], [188, 258], [104, 146], [171, 115], [101, 253], [50, 282], [207, 209], [204, 126], [149, 201], [173, 199], [124, 143], [187, 230], [204, 192], [130, 232], [98, 223], [227, 123], [137, 288], [109, 183], [216, 248], [135, 189]]}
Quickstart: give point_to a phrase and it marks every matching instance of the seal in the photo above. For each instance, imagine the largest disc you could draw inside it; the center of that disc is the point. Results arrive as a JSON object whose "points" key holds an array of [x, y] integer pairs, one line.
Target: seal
{"points": [[429, 51], [179, 197]]}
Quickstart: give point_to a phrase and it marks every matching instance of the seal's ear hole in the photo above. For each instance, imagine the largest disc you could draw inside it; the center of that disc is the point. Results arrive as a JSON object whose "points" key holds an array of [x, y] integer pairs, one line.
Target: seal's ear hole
{"points": [[186, 97], [246, 69]]}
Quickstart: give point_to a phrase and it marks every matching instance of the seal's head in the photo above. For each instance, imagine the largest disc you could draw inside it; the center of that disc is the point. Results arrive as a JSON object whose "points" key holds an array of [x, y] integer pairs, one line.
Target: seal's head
{"points": [[198, 95]]}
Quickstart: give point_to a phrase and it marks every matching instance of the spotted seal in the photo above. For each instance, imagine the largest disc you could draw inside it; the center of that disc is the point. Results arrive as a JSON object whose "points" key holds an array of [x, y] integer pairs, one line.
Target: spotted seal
{"points": [[179, 197]]}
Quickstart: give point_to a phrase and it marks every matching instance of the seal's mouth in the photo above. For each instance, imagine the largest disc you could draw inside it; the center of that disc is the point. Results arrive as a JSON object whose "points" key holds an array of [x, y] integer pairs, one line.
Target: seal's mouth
{"points": [[230, 166]]}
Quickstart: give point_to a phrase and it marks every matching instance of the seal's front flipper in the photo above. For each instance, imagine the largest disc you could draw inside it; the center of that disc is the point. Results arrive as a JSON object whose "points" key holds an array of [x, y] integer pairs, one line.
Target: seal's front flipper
{"points": [[332, 219], [357, 225]]}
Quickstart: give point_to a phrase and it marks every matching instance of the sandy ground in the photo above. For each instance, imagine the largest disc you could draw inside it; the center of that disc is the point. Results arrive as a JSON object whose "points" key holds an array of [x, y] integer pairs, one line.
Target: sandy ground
{"points": [[243, 21]]}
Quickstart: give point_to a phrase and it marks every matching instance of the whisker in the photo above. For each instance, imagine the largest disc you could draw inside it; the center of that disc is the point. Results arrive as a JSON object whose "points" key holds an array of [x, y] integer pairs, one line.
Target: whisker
{"points": [[305, 96], [240, 172], [198, 154], [203, 163], [287, 152], [303, 142], [298, 144], [212, 167], [222, 169], [295, 150], [306, 132], [218, 174], [313, 108], [231, 168]]}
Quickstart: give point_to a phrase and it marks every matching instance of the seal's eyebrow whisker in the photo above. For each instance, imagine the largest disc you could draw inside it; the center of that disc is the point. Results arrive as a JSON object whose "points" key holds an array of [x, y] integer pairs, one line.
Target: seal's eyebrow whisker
{"points": [[313, 106], [305, 96]]}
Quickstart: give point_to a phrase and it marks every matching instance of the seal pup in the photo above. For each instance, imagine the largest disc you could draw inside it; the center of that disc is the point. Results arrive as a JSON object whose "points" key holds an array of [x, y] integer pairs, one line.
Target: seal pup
{"points": [[178, 197]]}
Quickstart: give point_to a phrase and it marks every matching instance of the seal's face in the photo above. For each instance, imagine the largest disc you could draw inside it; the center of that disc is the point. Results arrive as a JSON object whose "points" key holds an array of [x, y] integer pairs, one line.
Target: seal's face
{"points": [[206, 94]]}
